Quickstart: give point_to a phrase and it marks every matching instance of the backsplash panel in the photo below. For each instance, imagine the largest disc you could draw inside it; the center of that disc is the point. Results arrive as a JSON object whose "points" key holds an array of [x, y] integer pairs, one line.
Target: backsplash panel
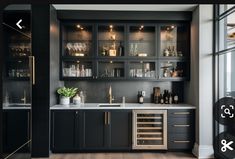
{"points": [[97, 91]]}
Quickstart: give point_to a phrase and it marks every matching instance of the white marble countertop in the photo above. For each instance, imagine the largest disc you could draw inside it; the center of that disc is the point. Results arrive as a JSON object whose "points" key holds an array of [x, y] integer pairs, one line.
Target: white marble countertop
{"points": [[125, 106], [16, 106]]}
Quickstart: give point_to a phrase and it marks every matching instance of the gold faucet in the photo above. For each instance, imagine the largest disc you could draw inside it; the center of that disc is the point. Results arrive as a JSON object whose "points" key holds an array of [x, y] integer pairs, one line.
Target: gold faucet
{"points": [[111, 98], [24, 98]]}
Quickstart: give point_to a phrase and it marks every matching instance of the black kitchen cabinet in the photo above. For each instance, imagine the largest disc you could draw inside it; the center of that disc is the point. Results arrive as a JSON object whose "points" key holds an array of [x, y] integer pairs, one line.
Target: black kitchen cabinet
{"points": [[181, 129], [94, 129], [16, 121], [73, 130], [120, 129], [64, 130], [107, 129]]}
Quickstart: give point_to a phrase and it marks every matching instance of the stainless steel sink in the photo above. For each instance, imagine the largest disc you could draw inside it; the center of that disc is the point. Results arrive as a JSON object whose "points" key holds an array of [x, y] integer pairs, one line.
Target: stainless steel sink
{"points": [[109, 105]]}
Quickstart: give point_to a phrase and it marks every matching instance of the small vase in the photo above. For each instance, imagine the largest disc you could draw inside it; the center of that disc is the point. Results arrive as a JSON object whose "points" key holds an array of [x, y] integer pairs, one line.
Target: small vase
{"points": [[64, 100]]}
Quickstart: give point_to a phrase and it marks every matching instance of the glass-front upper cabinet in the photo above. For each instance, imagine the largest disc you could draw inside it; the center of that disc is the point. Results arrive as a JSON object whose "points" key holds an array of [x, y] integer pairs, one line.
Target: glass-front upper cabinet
{"points": [[142, 41], [77, 40], [78, 69], [18, 44], [111, 40], [142, 69], [111, 69], [174, 40], [173, 70]]}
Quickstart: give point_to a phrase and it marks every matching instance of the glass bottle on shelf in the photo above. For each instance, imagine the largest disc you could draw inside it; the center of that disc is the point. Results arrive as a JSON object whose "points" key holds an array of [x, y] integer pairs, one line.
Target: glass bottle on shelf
{"points": [[121, 49], [78, 71], [82, 71]]}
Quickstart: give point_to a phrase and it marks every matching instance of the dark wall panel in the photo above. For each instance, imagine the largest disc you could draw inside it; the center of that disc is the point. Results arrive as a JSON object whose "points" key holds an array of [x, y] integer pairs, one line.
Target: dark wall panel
{"points": [[1, 69], [54, 56], [97, 91], [40, 94]]}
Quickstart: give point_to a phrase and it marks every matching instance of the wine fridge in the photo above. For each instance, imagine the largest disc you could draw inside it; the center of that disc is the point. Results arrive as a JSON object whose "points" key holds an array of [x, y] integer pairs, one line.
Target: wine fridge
{"points": [[150, 129]]}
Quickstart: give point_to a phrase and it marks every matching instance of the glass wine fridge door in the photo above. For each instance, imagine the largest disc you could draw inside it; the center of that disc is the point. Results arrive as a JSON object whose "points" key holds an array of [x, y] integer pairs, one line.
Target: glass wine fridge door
{"points": [[17, 83], [150, 129]]}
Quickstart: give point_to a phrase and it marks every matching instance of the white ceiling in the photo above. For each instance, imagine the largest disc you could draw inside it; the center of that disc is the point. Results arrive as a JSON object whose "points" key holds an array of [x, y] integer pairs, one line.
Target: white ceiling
{"points": [[124, 7]]}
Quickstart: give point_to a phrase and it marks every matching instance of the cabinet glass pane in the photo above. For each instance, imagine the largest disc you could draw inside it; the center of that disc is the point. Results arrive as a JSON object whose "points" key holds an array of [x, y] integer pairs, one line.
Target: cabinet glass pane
{"points": [[142, 69], [111, 40], [77, 69], [111, 69], [174, 41], [16, 83], [18, 69], [142, 41], [77, 40], [172, 69]]}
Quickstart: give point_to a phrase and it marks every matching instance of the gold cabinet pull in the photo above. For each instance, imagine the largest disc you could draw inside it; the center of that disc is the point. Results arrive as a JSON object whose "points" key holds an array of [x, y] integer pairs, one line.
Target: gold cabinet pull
{"points": [[32, 68], [108, 117], [181, 125], [181, 141], [105, 118], [182, 113]]}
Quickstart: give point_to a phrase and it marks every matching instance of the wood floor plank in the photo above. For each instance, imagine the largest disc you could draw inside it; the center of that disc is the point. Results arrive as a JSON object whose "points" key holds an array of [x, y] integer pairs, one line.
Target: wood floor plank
{"points": [[134, 155]]}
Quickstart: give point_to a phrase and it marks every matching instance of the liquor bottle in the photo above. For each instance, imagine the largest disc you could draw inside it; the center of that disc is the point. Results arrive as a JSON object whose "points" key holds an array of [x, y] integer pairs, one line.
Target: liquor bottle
{"points": [[170, 98], [176, 99], [161, 99], [164, 96], [121, 49], [166, 99], [140, 97], [82, 73], [78, 71]]}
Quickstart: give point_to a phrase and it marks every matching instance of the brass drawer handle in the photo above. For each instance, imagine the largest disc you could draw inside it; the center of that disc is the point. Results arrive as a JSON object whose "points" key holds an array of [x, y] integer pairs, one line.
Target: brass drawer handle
{"points": [[181, 141], [181, 125], [105, 118], [108, 118], [182, 113]]}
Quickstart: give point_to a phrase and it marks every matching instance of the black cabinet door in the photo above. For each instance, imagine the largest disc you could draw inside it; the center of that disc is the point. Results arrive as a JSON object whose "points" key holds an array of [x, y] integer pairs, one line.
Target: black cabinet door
{"points": [[120, 129], [15, 121], [63, 130], [94, 129]]}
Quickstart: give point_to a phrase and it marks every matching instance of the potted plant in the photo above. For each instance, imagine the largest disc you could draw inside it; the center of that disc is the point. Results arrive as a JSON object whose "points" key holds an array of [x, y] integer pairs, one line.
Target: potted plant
{"points": [[66, 94]]}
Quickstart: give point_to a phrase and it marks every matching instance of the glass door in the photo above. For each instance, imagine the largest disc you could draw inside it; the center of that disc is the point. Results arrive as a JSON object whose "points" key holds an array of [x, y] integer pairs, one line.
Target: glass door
{"points": [[17, 83]]}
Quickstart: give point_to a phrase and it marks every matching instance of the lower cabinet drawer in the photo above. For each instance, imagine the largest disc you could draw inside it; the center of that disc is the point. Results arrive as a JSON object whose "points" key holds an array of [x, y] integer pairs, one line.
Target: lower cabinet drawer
{"points": [[181, 113], [180, 142], [180, 125]]}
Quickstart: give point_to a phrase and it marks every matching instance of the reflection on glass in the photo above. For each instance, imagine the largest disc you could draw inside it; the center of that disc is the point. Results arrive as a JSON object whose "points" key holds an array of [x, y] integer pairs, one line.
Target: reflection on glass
{"points": [[227, 32], [226, 74], [224, 7]]}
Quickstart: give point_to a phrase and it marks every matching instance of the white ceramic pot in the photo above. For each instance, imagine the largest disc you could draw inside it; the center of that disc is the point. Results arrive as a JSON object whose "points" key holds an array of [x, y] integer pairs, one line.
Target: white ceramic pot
{"points": [[64, 100]]}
